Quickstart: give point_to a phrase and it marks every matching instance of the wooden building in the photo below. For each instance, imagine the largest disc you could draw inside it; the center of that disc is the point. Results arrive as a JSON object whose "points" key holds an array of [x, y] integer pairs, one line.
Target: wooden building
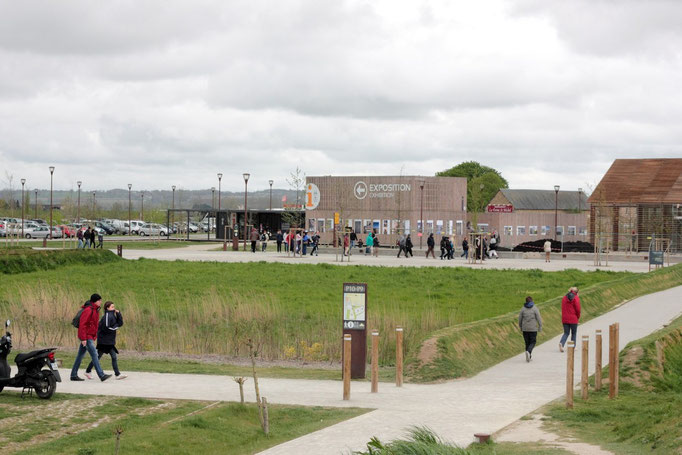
{"points": [[527, 215], [635, 199]]}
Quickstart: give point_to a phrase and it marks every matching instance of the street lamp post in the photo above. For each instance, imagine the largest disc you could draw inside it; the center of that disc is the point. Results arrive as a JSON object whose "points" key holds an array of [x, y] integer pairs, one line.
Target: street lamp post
{"points": [[215, 215], [271, 182], [130, 186], [421, 212], [78, 212], [556, 206], [51, 173], [23, 181], [246, 218], [36, 206], [142, 206], [220, 177], [94, 205]]}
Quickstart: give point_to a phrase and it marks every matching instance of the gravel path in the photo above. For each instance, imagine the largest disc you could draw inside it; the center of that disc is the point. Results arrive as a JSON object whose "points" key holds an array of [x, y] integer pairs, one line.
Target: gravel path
{"points": [[456, 410]]}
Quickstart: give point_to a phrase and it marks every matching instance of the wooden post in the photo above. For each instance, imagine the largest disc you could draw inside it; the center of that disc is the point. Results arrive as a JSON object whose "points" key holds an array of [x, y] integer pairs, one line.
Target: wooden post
{"points": [[375, 361], [616, 330], [570, 351], [399, 356], [266, 417], [346, 366], [584, 384], [597, 361], [613, 362]]}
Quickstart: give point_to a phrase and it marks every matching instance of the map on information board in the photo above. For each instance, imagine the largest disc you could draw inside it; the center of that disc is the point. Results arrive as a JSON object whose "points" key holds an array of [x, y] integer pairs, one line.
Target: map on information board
{"points": [[354, 306]]}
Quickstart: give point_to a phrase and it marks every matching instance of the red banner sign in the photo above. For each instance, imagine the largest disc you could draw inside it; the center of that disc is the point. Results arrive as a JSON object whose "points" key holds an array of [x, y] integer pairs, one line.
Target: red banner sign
{"points": [[500, 208]]}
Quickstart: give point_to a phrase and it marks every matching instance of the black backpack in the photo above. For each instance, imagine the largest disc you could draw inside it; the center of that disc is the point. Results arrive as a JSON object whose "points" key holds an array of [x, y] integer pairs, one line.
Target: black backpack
{"points": [[77, 319]]}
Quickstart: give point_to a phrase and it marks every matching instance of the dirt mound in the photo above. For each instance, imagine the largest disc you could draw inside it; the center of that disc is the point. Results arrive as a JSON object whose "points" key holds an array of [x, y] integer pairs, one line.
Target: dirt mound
{"points": [[569, 247]]}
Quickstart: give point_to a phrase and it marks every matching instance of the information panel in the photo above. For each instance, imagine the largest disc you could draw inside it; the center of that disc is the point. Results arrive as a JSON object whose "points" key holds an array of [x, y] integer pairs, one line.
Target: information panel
{"points": [[354, 306]]}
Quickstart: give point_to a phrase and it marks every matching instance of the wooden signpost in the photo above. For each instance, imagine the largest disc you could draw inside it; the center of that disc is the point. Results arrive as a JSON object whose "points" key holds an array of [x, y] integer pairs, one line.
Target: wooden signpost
{"points": [[569, 373]]}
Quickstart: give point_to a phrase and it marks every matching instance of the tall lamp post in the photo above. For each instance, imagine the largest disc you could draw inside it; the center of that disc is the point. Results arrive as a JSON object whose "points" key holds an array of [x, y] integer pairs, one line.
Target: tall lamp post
{"points": [[23, 181], [78, 212], [51, 173], [173, 208], [36, 206], [421, 212], [271, 182], [142, 206], [215, 215], [246, 217], [220, 177], [556, 205], [130, 186], [94, 205]]}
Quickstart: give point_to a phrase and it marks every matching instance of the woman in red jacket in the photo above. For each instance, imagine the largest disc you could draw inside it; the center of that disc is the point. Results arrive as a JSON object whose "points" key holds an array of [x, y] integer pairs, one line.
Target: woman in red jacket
{"points": [[87, 333], [570, 315]]}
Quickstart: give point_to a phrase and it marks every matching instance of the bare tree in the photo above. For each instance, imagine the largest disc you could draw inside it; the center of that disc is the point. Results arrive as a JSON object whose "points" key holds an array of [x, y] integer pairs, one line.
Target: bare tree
{"points": [[296, 182]]}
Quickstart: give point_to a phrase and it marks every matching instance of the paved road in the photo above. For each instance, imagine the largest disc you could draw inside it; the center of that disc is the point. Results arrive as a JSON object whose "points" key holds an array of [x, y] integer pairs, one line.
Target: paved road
{"points": [[456, 410], [203, 252]]}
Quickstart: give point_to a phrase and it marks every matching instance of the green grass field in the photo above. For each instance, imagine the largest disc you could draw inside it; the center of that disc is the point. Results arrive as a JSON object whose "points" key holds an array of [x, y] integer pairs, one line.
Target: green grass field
{"points": [[79, 425], [290, 311], [141, 244]]}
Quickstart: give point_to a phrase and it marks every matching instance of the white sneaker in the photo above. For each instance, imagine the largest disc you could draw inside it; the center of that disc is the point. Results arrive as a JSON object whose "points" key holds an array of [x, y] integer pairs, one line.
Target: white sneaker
{"points": [[527, 356], [121, 376], [88, 375], [561, 347]]}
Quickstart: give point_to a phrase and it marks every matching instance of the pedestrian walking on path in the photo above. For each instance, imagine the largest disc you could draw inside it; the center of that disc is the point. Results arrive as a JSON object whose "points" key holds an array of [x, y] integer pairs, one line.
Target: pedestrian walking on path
{"points": [[87, 333], [430, 242], [570, 315], [548, 249], [530, 324], [106, 338]]}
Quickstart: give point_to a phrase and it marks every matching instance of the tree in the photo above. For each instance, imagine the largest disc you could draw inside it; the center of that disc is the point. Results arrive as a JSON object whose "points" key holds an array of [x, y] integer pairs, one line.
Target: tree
{"points": [[292, 215], [477, 175]]}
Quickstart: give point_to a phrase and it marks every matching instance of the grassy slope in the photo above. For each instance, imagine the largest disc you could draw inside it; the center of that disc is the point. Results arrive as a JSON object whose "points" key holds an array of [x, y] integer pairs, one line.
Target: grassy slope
{"points": [[197, 307], [24, 260], [646, 417], [152, 426], [469, 348]]}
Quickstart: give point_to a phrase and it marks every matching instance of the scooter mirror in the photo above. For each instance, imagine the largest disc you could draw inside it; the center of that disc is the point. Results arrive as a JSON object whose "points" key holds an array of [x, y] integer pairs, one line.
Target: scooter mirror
{"points": [[7, 322]]}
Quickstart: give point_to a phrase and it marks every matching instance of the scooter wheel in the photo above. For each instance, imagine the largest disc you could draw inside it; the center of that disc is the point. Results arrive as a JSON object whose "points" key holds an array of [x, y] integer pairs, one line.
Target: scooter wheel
{"points": [[48, 385]]}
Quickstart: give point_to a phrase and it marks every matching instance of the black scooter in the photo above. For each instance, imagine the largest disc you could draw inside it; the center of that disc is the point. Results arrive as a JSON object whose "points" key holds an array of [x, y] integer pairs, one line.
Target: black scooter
{"points": [[31, 374]]}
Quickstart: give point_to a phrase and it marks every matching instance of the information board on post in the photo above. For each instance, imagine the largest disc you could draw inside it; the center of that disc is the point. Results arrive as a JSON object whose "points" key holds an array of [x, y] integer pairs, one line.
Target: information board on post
{"points": [[355, 323]]}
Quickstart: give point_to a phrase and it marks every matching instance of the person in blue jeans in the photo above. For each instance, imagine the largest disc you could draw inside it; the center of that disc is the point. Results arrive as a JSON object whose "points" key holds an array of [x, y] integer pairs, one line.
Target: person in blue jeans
{"points": [[570, 316], [87, 333], [106, 338]]}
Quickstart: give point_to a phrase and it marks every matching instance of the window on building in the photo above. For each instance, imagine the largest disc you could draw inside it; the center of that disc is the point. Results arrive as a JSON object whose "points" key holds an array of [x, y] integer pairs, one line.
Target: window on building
{"points": [[358, 226], [533, 230], [571, 230], [394, 226], [367, 226], [320, 224], [583, 230], [450, 225], [386, 227], [419, 226], [545, 230], [460, 227], [439, 227], [520, 230], [508, 230], [429, 226], [330, 224], [312, 223], [376, 225], [482, 227], [559, 230], [406, 227]]}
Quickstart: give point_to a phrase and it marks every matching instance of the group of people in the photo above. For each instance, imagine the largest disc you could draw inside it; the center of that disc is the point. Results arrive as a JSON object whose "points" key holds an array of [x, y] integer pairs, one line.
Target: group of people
{"points": [[300, 242], [530, 322], [371, 244], [90, 329], [86, 239]]}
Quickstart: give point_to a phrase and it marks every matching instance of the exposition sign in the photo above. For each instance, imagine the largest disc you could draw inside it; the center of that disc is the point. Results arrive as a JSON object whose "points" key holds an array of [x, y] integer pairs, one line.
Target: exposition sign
{"points": [[354, 306], [379, 190], [500, 208]]}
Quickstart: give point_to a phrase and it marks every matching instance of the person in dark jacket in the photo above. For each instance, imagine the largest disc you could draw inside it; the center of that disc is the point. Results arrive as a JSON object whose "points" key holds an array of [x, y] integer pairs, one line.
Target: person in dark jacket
{"points": [[254, 238], [443, 247], [430, 242], [106, 338], [87, 333], [408, 246], [530, 324], [280, 239], [570, 316], [93, 238], [86, 237], [79, 236], [316, 243], [465, 248]]}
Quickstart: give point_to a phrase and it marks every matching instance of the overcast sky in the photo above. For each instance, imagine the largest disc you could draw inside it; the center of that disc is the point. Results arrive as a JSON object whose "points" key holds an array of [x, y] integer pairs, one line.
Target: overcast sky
{"points": [[161, 93]]}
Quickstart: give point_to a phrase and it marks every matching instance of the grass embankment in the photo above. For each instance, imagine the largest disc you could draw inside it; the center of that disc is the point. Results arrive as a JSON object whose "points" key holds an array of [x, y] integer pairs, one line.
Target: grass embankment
{"points": [[466, 349], [290, 311], [142, 244], [78, 424], [646, 417], [24, 260]]}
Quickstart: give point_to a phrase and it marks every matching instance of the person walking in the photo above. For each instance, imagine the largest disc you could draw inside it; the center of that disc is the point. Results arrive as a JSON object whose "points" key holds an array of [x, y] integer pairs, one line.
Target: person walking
{"points": [[79, 236], [93, 237], [430, 243], [375, 245], [86, 238], [280, 239], [369, 244], [100, 239], [254, 238], [530, 324], [316, 244], [443, 247], [449, 248], [305, 241], [408, 246], [570, 316], [87, 333], [353, 240], [106, 338], [548, 249], [401, 245], [465, 248], [264, 241], [346, 245]]}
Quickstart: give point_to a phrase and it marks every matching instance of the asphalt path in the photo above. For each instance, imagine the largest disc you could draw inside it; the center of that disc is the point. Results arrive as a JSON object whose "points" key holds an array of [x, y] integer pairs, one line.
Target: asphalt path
{"points": [[456, 409]]}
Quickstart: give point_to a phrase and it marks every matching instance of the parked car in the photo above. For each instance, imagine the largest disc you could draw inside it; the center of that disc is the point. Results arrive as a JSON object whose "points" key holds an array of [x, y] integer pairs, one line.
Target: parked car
{"points": [[135, 226], [3, 228], [108, 229], [39, 232], [150, 229], [67, 231]]}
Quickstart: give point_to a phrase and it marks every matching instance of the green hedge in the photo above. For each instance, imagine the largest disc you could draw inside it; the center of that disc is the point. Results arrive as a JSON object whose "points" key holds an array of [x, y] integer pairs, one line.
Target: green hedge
{"points": [[467, 349], [21, 260]]}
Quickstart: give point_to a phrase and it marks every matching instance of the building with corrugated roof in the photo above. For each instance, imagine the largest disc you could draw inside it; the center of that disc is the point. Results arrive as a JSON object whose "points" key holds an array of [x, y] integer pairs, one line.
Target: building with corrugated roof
{"points": [[527, 215], [635, 199]]}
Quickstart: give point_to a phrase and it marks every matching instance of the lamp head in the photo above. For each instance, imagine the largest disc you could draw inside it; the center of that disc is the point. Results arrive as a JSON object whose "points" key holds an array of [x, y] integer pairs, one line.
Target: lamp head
{"points": [[23, 181], [271, 182], [246, 176], [173, 187], [51, 169], [213, 188], [580, 190], [220, 175], [79, 183], [130, 186], [556, 188]]}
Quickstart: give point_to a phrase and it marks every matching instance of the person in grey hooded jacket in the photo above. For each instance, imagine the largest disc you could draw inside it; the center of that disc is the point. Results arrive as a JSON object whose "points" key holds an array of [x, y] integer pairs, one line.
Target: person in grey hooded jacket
{"points": [[530, 324]]}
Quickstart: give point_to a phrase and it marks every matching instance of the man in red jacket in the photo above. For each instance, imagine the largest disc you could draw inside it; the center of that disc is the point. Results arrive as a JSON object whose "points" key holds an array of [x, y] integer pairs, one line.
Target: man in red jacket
{"points": [[87, 333], [570, 315]]}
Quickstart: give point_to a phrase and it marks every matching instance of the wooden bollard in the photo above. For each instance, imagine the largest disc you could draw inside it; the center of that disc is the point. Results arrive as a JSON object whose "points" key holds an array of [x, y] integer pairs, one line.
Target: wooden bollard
{"points": [[346, 366], [399, 356], [570, 352], [375, 361], [614, 362], [597, 361], [584, 384]]}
